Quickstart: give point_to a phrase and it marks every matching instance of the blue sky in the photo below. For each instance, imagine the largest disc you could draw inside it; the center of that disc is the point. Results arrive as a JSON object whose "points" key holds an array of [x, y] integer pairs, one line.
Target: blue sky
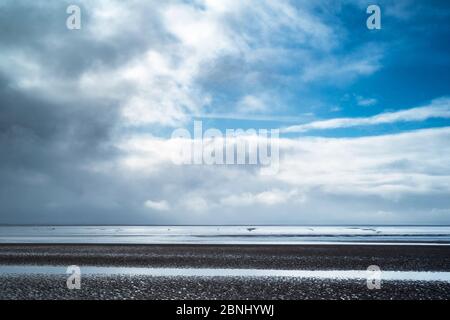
{"points": [[87, 115], [409, 57]]}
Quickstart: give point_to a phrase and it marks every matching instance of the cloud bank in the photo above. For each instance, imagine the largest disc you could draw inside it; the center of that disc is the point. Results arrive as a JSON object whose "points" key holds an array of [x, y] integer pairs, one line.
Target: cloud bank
{"points": [[86, 117]]}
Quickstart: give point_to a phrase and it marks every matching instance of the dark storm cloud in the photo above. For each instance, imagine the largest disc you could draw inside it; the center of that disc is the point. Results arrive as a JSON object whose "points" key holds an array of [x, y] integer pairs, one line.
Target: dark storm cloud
{"points": [[39, 28], [43, 147], [45, 142]]}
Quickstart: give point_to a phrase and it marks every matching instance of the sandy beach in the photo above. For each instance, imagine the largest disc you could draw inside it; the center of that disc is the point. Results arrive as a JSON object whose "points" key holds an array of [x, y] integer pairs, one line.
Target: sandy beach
{"points": [[296, 257]]}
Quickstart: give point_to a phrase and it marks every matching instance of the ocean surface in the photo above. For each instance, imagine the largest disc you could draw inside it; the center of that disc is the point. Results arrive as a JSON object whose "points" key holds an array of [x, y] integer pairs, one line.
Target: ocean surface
{"points": [[412, 235]]}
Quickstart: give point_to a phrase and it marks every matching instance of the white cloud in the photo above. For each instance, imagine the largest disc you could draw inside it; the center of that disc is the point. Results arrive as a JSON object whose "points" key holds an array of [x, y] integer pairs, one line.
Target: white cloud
{"points": [[339, 179], [388, 166], [365, 102], [265, 198], [160, 85], [194, 203], [437, 109], [157, 205], [251, 103]]}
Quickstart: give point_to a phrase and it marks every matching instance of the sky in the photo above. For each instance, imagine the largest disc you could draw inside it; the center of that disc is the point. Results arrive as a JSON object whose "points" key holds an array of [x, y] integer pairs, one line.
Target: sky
{"points": [[87, 115]]}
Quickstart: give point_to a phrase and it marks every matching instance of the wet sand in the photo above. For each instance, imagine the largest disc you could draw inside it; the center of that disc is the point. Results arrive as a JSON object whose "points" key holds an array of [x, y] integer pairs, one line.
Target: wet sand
{"points": [[307, 257]]}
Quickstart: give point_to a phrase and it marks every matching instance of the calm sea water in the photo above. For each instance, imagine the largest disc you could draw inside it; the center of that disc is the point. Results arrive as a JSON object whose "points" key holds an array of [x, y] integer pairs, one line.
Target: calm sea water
{"points": [[225, 234]]}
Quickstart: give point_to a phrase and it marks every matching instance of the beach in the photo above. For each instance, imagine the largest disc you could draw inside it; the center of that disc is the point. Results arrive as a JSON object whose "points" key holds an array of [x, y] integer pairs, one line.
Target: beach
{"points": [[200, 271]]}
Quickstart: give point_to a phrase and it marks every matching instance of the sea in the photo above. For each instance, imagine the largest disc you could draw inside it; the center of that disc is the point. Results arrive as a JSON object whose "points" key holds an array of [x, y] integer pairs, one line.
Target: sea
{"points": [[407, 235]]}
